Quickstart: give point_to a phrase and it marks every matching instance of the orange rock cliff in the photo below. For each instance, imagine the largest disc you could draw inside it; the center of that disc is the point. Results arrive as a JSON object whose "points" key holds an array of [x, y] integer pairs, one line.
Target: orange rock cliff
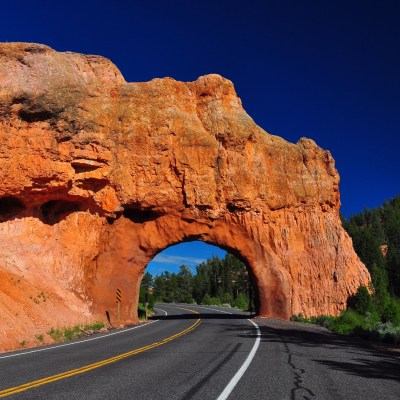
{"points": [[98, 175]]}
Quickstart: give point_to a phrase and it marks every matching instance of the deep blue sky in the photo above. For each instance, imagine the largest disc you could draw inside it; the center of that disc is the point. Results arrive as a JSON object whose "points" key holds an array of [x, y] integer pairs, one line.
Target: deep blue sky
{"points": [[190, 254], [328, 70]]}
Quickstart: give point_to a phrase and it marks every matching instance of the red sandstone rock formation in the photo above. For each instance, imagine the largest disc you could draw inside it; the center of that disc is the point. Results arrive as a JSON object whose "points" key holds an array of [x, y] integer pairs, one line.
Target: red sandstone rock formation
{"points": [[98, 175]]}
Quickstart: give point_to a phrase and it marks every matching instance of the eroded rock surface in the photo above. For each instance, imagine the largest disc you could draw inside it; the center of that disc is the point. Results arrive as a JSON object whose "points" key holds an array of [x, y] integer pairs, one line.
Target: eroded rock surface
{"points": [[98, 175]]}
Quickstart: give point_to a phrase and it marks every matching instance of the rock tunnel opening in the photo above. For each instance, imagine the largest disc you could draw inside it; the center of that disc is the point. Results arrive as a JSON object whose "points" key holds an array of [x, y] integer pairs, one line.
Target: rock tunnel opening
{"points": [[10, 207], [202, 273], [140, 215], [54, 211]]}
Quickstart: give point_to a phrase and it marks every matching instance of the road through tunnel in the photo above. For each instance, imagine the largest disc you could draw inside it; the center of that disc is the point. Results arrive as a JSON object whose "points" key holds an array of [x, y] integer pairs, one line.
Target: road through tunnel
{"points": [[195, 272]]}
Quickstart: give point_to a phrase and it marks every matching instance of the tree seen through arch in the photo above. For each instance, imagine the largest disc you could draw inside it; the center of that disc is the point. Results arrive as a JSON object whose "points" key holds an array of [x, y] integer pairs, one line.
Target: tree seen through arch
{"points": [[218, 280]]}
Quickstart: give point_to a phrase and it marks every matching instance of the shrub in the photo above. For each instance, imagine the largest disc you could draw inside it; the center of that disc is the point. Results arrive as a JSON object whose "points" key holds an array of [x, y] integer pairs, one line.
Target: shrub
{"points": [[187, 299], [95, 326], [348, 322], [67, 334], [56, 334], [385, 332], [215, 301], [351, 322], [241, 302], [323, 320], [141, 311], [144, 296], [391, 311], [361, 301], [226, 298], [206, 300], [40, 338], [300, 318], [72, 333]]}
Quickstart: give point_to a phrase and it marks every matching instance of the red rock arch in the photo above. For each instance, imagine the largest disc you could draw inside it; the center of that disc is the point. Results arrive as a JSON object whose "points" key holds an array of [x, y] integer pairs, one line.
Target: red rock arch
{"points": [[98, 175], [133, 246]]}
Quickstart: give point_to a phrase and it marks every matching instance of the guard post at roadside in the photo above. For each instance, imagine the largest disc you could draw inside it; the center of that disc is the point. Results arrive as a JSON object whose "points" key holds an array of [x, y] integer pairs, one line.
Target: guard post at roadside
{"points": [[118, 298]]}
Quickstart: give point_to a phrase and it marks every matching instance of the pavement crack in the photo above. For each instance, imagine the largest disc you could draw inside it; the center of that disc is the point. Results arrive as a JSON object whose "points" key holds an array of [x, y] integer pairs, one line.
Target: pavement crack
{"points": [[298, 374]]}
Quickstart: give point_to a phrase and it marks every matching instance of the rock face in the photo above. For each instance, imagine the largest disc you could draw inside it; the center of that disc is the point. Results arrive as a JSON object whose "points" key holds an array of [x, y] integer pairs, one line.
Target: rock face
{"points": [[98, 175]]}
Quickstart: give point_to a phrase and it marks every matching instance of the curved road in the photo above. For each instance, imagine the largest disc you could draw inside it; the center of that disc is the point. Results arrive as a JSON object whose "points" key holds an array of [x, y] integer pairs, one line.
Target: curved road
{"points": [[195, 352]]}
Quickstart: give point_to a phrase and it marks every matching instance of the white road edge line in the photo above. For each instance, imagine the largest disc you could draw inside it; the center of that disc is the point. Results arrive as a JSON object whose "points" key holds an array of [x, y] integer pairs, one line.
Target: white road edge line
{"points": [[214, 309], [234, 381], [82, 341]]}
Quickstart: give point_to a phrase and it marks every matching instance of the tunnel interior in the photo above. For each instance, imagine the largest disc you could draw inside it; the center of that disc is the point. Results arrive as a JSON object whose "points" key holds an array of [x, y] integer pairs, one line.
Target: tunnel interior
{"points": [[197, 272]]}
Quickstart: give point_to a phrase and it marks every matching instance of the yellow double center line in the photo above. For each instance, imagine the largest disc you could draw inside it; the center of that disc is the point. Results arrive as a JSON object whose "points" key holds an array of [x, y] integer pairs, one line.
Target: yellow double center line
{"points": [[90, 367]]}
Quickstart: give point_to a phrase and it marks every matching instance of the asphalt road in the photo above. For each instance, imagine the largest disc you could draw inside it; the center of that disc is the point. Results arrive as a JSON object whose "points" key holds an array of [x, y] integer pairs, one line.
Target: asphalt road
{"points": [[202, 353]]}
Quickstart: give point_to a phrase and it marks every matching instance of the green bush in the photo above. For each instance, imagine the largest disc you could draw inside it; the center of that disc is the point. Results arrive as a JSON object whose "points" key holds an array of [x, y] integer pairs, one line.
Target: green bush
{"points": [[363, 318], [141, 311], [215, 301], [391, 311], [206, 300], [211, 301], [347, 322], [385, 332], [95, 326], [361, 301], [241, 302], [72, 333], [187, 299], [144, 296], [56, 334], [226, 298], [300, 318], [323, 320]]}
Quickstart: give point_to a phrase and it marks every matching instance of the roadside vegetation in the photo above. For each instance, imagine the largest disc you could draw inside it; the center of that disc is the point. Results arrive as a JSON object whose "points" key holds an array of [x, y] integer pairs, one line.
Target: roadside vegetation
{"points": [[146, 297], [222, 282], [372, 313], [71, 333]]}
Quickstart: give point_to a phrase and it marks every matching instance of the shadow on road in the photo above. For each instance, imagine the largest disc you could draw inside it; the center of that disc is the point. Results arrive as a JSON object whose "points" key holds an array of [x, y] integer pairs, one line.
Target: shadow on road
{"points": [[351, 355], [201, 315], [342, 353]]}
